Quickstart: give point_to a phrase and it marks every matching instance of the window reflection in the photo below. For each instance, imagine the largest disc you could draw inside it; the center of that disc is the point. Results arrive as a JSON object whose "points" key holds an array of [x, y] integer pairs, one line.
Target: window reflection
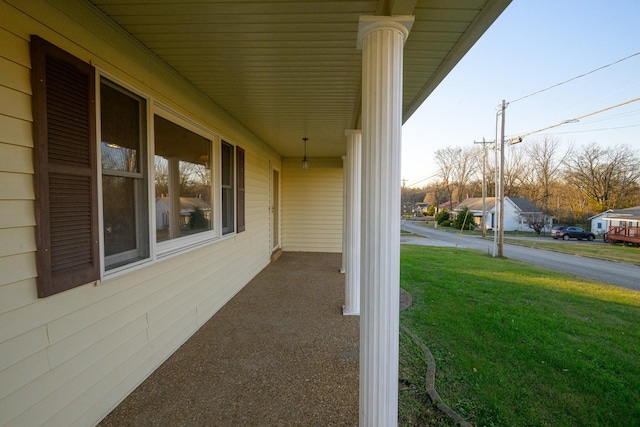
{"points": [[124, 190], [182, 181]]}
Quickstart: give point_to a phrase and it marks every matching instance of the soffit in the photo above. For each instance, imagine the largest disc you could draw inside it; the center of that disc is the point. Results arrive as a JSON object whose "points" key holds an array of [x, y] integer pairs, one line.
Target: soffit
{"points": [[289, 69]]}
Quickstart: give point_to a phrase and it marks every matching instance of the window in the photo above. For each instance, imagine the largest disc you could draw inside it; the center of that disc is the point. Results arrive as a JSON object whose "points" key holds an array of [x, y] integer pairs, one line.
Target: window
{"points": [[192, 205], [124, 183], [182, 181], [65, 169]]}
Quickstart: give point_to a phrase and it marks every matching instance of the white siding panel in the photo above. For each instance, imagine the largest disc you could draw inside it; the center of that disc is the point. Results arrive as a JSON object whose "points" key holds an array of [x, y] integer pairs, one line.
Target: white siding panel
{"points": [[16, 213], [14, 158], [15, 241], [15, 104], [73, 389], [22, 373], [16, 186], [15, 76], [15, 131], [98, 401], [51, 381], [17, 267], [312, 206], [23, 346], [17, 294], [14, 48]]}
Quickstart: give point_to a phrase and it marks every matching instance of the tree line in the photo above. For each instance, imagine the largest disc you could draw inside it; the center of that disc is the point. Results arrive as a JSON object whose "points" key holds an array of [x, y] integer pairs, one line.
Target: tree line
{"points": [[571, 184]]}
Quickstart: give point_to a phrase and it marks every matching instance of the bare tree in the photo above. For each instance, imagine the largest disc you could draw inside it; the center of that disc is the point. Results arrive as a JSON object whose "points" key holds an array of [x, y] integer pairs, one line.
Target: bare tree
{"points": [[535, 220], [608, 178], [458, 167], [515, 166], [545, 161]]}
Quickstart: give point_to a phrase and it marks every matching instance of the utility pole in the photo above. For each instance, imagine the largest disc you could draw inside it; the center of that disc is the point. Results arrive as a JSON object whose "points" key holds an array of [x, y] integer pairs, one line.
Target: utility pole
{"points": [[484, 184], [500, 195]]}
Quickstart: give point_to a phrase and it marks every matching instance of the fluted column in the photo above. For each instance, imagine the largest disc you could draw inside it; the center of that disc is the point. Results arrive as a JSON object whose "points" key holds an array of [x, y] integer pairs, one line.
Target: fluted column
{"points": [[343, 266], [382, 41], [353, 221]]}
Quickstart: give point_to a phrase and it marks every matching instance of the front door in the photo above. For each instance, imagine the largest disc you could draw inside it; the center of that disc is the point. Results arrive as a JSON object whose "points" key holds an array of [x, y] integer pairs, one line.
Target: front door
{"points": [[275, 209]]}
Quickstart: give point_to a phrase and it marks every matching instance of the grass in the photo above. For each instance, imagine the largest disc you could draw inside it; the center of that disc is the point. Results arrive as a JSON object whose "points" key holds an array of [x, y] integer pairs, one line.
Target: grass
{"points": [[519, 345]]}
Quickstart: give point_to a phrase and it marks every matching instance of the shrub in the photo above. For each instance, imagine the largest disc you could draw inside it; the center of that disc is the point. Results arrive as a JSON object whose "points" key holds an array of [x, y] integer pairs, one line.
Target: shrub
{"points": [[464, 218], [442, 217]]}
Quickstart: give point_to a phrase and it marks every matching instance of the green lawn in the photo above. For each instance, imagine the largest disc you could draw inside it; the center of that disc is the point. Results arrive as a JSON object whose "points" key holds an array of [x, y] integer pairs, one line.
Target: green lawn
{"points": [[518, 345]]}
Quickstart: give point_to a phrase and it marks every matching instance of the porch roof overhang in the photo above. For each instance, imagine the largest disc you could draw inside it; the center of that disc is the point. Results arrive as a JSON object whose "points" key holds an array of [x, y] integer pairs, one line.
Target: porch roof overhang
{"points": [[291, 69]]}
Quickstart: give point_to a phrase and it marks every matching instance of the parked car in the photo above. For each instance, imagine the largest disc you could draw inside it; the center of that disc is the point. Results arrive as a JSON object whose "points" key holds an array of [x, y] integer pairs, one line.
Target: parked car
{"points": [[567, 232]]}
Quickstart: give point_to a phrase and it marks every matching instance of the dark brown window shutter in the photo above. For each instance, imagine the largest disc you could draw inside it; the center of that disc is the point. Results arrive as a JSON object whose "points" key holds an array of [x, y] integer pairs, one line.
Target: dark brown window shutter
{"points": [[65, 169], [240, 188]]}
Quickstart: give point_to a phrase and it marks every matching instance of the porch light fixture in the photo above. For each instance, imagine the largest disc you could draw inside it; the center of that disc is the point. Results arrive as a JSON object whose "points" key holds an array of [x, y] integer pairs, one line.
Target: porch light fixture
{"points": [[305, 162]]}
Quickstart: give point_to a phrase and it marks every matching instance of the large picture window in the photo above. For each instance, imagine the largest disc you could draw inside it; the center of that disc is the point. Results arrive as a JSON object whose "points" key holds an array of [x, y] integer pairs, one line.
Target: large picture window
{"points": [[124, 183], [182, 181]]}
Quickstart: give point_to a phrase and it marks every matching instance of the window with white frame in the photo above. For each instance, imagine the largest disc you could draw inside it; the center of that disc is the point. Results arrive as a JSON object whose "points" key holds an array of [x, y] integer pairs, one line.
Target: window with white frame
{"points": [[182, 181], [125, 224]]}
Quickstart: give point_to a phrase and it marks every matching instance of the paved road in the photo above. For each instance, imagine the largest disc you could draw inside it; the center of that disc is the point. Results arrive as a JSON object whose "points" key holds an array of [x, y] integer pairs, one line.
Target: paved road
{"points": [[620, 274]]}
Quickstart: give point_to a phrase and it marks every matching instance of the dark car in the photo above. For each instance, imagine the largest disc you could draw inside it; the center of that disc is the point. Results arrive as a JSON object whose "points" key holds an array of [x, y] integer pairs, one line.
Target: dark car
{"points": [[565, 232]]}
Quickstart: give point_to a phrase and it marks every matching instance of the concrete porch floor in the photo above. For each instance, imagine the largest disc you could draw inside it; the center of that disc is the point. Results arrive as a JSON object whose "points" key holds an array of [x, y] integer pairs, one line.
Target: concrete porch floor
{"points": [[279, 353]]}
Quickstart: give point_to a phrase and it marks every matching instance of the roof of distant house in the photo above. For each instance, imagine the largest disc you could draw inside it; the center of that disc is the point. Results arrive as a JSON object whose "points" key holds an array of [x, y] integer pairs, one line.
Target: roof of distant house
{"points": [[628, 214], [189, 203]]}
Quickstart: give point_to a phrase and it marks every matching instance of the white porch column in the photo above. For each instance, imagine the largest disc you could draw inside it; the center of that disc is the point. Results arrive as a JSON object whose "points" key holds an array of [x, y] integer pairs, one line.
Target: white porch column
{"points": [[382, 41], [351, 254], [343, 267]]}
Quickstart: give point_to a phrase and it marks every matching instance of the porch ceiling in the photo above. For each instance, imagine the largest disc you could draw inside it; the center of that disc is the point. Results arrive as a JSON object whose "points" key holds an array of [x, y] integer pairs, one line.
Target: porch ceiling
{"points": [[290, 68]]}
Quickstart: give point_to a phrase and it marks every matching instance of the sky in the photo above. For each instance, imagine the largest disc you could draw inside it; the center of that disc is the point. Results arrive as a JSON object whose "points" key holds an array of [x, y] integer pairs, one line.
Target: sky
{"points": [[533, 45]]}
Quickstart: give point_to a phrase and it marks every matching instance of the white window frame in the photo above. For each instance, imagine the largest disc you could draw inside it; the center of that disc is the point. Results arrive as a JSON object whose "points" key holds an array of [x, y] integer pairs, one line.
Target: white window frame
{"points": [[162, 250], [177, 245], [100, 75]]}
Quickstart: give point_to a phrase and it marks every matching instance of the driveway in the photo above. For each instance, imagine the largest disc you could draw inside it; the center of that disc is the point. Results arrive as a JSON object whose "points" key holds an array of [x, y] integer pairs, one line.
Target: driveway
{"points": [[620, 274]]}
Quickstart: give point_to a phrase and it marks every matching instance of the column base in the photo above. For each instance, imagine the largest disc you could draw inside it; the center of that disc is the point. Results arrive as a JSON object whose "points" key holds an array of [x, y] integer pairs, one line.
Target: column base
{"points": [[346, 312]]}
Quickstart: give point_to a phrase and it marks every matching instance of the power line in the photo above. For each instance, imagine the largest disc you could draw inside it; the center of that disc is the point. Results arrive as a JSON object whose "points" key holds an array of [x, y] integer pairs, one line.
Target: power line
{"points": [[591, 130], [575, 119], [574, 78]]}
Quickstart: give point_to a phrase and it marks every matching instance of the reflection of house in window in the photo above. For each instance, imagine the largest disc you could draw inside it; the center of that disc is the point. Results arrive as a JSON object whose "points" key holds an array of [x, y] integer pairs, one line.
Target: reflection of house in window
{"points": [[195, 214]]}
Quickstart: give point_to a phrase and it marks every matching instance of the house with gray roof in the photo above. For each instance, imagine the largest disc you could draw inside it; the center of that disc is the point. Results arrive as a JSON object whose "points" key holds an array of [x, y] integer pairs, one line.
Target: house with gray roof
{"points": [[518, 213]]}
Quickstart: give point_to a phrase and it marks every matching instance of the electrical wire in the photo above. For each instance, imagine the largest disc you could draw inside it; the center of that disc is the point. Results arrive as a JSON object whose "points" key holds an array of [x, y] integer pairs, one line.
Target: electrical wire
{"points": [[573, 78], [576, 119]]}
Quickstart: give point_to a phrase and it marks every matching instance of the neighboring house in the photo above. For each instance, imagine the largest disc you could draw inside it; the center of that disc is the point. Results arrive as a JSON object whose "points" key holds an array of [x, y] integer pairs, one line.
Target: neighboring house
{"points": [[599, 224], [449, 206], [516, 211], [217, 96], [623, 225], [188, 205], [421, 208]]}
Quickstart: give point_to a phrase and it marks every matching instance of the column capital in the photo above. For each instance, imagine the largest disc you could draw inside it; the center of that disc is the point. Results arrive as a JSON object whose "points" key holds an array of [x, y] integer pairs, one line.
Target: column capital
{"points": [[369, 24]]}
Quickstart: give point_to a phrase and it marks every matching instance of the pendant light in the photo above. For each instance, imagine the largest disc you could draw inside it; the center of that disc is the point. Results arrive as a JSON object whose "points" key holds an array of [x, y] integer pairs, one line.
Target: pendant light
{"points": [[305, 162]]}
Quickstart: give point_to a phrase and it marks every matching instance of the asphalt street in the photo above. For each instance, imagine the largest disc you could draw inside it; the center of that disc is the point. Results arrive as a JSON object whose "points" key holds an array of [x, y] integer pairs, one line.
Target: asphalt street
{"points": [[620, 274]]}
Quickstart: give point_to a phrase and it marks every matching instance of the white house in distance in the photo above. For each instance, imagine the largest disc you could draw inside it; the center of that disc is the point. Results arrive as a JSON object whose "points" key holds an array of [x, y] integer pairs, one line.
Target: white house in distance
{"points": [[97, 94], [515, 212], [599, 224], [628, 217]]}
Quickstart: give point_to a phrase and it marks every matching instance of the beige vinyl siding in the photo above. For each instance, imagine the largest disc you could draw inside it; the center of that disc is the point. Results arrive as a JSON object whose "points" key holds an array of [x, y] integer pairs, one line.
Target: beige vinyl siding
{"points": [[70, 358], [312, 206]]}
